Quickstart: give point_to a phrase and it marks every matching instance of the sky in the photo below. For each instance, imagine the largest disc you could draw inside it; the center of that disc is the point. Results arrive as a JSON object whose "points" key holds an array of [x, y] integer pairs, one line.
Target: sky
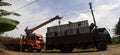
{"points": [[106, 13]]}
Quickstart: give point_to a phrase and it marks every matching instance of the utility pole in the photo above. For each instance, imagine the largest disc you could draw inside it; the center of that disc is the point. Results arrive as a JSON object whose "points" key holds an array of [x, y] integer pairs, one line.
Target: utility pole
{"points": [[90, 4]]}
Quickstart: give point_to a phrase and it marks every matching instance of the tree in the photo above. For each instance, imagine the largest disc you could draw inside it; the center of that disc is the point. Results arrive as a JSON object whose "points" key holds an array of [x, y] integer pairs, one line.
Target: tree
{"points": [[117, 28], [7, 24], [4, 3], [4, 12]]}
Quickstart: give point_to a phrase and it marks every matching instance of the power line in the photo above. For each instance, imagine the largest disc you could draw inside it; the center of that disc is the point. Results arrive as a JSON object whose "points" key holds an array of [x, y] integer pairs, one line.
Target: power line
{"points": [[26, 5], [45, 19], [62, 16]]}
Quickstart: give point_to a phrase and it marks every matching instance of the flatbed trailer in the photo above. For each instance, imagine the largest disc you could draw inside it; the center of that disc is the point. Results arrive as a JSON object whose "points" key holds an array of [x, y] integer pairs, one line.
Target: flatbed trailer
{"points": [[12, 44]]}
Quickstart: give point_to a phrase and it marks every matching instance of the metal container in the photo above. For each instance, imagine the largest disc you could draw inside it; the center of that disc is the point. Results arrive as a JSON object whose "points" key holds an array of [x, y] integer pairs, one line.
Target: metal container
{"points": [[69, 29], [84, 30], [71, 32], [61, 33], [82, 23], [51, 34], [52, 29]]}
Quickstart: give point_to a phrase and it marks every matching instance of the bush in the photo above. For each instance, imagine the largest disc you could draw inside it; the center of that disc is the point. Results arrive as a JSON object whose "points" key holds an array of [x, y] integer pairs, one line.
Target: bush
{"points": [[3, 38], [116, 40]]}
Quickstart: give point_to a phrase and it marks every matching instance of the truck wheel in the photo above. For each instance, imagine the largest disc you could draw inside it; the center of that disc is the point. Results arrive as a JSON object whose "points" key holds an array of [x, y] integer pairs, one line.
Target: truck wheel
{"points": [[38, 50], [12, 49], [23, 49], [17, 49], [66, 50], [29, 49], [101, 46]]}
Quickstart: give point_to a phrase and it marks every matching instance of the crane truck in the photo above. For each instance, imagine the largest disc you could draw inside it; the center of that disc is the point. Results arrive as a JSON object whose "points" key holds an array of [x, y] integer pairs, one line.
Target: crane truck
{"points": [[31, 41], [80, 34]]}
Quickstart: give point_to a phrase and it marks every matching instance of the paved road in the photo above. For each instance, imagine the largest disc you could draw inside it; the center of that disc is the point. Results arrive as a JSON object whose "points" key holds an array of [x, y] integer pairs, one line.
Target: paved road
{"points": [[110, 51]]}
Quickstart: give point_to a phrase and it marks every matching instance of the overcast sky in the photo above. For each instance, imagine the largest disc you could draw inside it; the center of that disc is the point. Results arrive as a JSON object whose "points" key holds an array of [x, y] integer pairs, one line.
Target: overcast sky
{"points": [[106, 13]]}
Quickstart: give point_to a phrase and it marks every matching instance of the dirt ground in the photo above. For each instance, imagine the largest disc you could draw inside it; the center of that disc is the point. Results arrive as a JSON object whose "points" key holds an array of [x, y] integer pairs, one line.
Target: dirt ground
{"points": [[3, 52], [112, 50]]}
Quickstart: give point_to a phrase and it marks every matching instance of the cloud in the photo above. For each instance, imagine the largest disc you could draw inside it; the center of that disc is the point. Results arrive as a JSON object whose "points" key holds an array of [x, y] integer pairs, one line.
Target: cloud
{"points": [[29, 0], [106, 13], [32, 15]]}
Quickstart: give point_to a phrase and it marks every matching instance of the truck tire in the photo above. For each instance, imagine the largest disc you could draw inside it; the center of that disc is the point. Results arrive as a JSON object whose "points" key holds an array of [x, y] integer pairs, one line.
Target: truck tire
{"points": [[66, 50], [29, 48], [23, 48], [17, 49], [101, 46], [38, 50], [12, 49]]}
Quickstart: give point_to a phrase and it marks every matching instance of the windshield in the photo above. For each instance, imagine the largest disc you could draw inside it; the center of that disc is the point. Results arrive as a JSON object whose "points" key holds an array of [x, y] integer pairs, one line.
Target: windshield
{"points": [[101, 31], [105, 32], [39, 38]]}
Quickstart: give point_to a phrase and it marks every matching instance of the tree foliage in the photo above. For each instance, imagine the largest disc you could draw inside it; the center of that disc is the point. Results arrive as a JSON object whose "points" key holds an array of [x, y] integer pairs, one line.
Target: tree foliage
{"points": [[4, 38], [4, 13], [4, 3], [117, 28], [115, 40], [5, 23]]}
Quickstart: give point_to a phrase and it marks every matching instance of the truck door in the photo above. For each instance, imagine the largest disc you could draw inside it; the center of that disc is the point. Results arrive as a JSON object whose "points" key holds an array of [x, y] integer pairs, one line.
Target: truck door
{"points": [[101, 34]]}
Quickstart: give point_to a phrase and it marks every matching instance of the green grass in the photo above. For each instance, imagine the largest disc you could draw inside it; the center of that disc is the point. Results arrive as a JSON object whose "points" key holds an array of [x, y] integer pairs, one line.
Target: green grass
{"points": [[51, 51], [74, 50]]}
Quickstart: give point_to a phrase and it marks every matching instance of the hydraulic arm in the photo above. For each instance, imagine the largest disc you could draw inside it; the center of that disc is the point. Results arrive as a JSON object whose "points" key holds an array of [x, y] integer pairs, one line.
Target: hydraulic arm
{"points": [[29, 31]]}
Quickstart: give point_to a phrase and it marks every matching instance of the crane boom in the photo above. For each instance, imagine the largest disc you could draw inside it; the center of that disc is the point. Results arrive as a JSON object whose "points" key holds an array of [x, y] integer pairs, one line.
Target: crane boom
{"points": [[44, 23], [29, 31]]}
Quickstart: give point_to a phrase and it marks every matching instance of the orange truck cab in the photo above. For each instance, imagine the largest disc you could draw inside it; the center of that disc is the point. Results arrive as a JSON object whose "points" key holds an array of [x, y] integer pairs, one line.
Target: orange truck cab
{"points": [[33, 42]]}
